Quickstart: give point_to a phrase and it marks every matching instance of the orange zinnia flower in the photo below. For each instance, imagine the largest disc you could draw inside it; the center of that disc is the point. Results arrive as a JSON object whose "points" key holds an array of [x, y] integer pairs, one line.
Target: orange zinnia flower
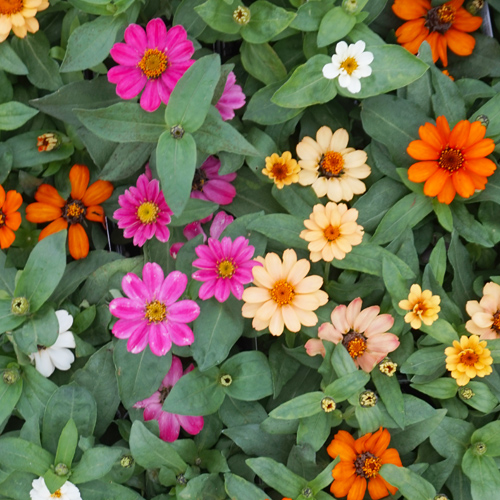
{"points": [[10, 218], [361, 460], [443, 26], [83, 202], [453, 162]]}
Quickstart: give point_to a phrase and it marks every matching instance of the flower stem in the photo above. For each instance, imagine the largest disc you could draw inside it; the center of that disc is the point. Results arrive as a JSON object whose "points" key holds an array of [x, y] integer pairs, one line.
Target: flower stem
{"points": [[327, 272]]}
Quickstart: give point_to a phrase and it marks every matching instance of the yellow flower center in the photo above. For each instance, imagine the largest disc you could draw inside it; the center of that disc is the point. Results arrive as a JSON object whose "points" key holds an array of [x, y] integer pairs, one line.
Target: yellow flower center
{"points": [[446, 14], [242, 15], [350, 65], [331, 233], [156, 311], [356, 347], [73, 211], [419, 309], [371, 466], [147, 212], [8, 7], [153, 63], [331, 164], [282, 292], [226, 268], [451, 159], [279, 171], [56, 494], [469, 357]]}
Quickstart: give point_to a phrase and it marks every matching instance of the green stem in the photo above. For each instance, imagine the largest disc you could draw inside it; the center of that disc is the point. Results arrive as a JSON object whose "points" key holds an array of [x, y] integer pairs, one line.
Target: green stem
{"points": [[327, 272]]}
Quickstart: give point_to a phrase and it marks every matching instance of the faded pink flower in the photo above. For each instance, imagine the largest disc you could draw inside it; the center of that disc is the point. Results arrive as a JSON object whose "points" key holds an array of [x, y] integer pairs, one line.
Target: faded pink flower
{"points": [[232, 98], [362, 332], [152, 313], [485, 314], [210, 186], [170, 423], [153, 60]]}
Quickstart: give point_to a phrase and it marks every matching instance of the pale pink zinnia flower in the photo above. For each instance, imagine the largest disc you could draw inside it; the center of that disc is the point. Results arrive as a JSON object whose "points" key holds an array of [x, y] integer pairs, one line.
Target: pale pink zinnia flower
{"points": [[232, 98], [170, 423], [210, 186], [225, 266], [144, 212], [153, 60], [362, 332], [485, 314], [152, 313]]}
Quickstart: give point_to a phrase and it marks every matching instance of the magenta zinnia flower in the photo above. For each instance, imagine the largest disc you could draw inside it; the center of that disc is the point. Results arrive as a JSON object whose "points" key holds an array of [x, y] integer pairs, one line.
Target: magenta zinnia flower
{"points": [[152, 313], [144, 212], [153, 60], [232, 98], [210, 186], [362, 332], [225, 266], [170, 423]]}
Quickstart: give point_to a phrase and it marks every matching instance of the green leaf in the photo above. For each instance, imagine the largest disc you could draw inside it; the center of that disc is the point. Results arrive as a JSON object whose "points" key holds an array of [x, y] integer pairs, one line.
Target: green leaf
{"points": [[452, 438], [389, 390], [490, 436], [21, 455], [437, 260], [209, 486], [15, 114], [8, 320], [219, 16], [106, 490], [184, 16], [492, 110], [447, 99], [442, 331], [463, 274], [40, 329], [335, 25], [468, 227], [126, 160], [261, 61], [348, 385], [96, 463], [302, 406], [410, 484], [10, 61], [341, 361], [9, 396], [281, 227], [194, 210], [96, 7], [441, 388], [310, 14], [483, 474], [483, 400], [396, 285], [237, 487], [66, 446], [424, 361]]}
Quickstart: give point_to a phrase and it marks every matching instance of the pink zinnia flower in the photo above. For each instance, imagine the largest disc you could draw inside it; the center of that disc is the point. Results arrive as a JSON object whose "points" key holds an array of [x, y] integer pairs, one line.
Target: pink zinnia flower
{"points": [[170, 423], [210, 186], [232, 98], [362, 332], [225, 266], [152, 313], [144, 212], [153, 60]]}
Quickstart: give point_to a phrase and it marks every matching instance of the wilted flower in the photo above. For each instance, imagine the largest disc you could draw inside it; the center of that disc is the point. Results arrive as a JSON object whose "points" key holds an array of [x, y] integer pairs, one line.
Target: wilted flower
{"points": [[10, 218], [210, 186], [68, 491], [283, 170], [423, 307], [485, 314], [232, 98], [19, 16], [47, 142]]}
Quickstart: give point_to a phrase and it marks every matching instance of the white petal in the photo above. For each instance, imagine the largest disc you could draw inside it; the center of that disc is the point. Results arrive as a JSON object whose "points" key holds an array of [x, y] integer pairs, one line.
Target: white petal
{"points": [[357, 48], [344, 80], [43, 363], [362, 72], [365, 58], [62, 358], [65, 339], [330, 71], [341, 49], [354, 86], [65, 320]]}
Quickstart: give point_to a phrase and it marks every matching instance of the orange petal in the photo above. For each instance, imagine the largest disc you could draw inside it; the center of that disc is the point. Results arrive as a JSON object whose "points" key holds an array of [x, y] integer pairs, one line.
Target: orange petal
{"points": [[410, 10], [460, 43], [379, 442], [2, 196], [448, 192], [48, 194], [443, 128], [430, 134], [95, 213], [346, 451], [411, 30], [343, 471], [463, 183], [481, 166], [97, 193], [421, 171], [358, 489], [459, 134], [340, 489], [432, 39], [441, 46], [54, 227], [480, 149], [391, 456], [7, 237], [13, 201], [465, 21], [42, 212], [420, 150], [476, 133], [78, 242], [377, 488], [13, 220], [79, 177], [435, 183], [414, 45], [479, 180]]}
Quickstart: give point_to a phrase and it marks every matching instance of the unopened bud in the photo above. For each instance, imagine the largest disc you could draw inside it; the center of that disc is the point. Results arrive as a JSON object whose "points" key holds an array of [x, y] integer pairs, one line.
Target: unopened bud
{"points": [[474, 6], [307, 492], [388, 367], [479, 448], [177, 132], [466, 393], [242, 15], [483, 119], [61, 469], [11, 376], [350, 6], [181, 479], [328, 404], [20, 306], [368, 399], [226, 380], [441, 496], [127, 461], [48, 142]]}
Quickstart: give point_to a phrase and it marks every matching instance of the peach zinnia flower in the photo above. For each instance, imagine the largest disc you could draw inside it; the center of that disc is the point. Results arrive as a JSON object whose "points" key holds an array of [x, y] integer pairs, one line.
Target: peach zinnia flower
{"points": [[283, 169], [423, 307], [451, 162], [10, 218], [485, 314], [333, 169], [284, 295], [361, 461], [331, 231], [468, 358], [83, 203], [444, 26], [19, 16], [362, 332]]}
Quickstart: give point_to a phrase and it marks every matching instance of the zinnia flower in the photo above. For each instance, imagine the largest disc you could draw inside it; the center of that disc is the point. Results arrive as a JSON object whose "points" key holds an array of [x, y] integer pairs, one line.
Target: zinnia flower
{"points": [[225, 266], [423, 307], [283, 169], [485, 314], [442, 26], [453, 162], [153, 60], [19, 16], [349, 63], [152, 313], [331, 231], [47, 142], [58, 355], [330, 166], [232, 98], [468, 358], [144, 212], [362, 332], [83, 203], [68, 491], [170, 423], [283, 295], [10, 218], [360, 462], [210, 186]]}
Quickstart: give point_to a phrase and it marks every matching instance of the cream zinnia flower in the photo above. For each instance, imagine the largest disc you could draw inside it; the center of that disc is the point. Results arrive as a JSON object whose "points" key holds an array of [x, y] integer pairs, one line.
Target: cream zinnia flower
{"points": [[333, 169], [423, 307], [331, 231], [282, 169], [485, 314], [19, 16], [68, 491], [283, 295]]}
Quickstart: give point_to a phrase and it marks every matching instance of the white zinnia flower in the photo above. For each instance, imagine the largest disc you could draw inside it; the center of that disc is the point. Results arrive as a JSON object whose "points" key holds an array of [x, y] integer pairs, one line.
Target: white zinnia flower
{"points": [[68, 491], [47, 359], [349, 63]]}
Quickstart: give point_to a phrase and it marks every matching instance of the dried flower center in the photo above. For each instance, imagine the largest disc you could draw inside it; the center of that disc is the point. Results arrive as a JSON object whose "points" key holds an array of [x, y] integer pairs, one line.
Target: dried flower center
{"points": [[56, 494], [147, 212], [355, 343], [164, 392], [468, 357], [279, 171], [226, 268], [331, 164], [349, 65], [153, 63], [156, 311], [8, 7], [74, 211], [282, 292], [367, 465], [451, 159], [440, 18], [200, 177], [331, 233], [46, 142], [496, 317]]}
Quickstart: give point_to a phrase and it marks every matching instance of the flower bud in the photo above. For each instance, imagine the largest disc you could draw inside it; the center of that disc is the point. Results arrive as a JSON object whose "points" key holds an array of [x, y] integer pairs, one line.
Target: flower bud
{"points": [[61, 469], [368, 399], [226, 380], [466, 393], [474, 6], [328, 404], [177, 132], [441, 496], [48, 142], [479, 449], [127, 461], [483, 119], [11, 376], [350, 6], [388, 367], [181, 479], [242, 15], [307, 492], [20, 306]]}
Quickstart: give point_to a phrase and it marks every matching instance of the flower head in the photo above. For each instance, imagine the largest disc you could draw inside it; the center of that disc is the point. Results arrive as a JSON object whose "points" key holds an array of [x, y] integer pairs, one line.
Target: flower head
{"points": [[283, 294], [58, 355], [444, 26], [47, 142], [360, 462], [333, 169], [10, 218], [19, 16], [210, 186], [468, 358], [152, 313], [225, 266], [423, 307], [68, 491], [331, 231], [485, 314], [451, 162], [232, 98], [169, 423], [282, 169], [362, 332], [144, 212], [153, 60], [83, 203], [349, 64]]}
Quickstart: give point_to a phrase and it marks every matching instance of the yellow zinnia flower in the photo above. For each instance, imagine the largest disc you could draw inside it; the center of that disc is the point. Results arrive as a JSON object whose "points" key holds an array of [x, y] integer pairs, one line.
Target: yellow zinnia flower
{"points": [[423, 307], [468, 358], [283, 169], [284, 295], [19, 16]]}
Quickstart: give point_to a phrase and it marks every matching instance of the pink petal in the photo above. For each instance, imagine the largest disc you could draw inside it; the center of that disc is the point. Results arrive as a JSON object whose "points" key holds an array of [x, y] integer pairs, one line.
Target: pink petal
{"points": [[163, 91], [134, 288], [124, 328], [207, 290], [136, 37], [192, 425], [314, 347], [117, 73], [219, 191], [125, 55], [381, 324], [353, 309], [159, 340], [130, 87], [183, 311], [367, 361], [174, 374], [169, 427], [126, 308], [327, 332], [150, 99], [180, 51], [156, 33], [383, 342], [139, 339], [339, 319], [222, 290], [172, 288], [162, 233], [152, 276], [180, 333], [365, 317], [154, 399], [152, 412]]}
